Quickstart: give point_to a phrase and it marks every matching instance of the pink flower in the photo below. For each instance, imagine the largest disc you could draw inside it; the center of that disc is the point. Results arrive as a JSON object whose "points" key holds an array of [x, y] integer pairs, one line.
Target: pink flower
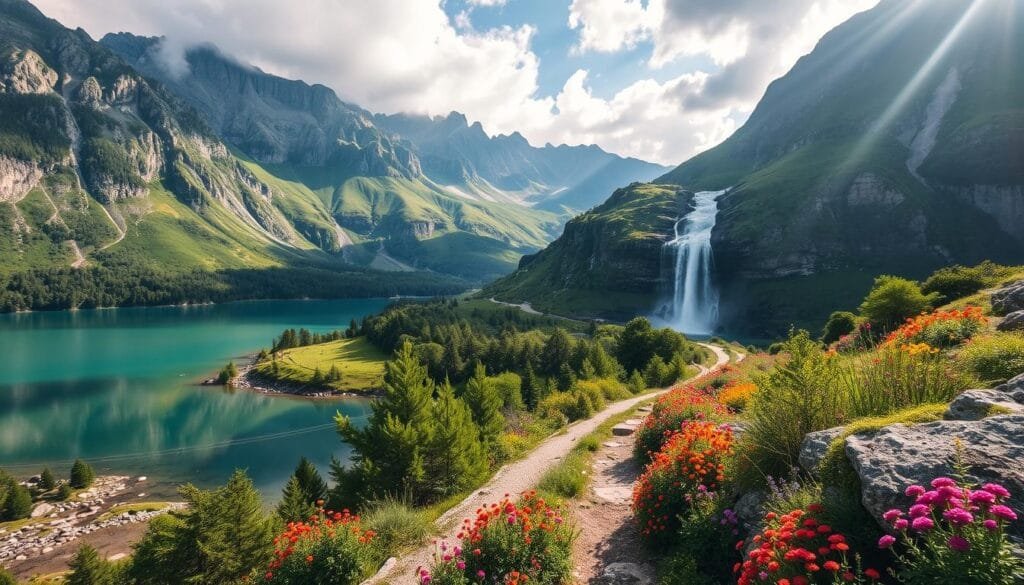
{"points": [[958, 516], [480, 574], [927, 497], [922, 524], [982, 497], [901, 524], [892, 515], [958, 543], [919, 510], [461, 565], [886, 541], [943, 482], [914, 491], [996, 489], [1001, 511], [991, 525]]}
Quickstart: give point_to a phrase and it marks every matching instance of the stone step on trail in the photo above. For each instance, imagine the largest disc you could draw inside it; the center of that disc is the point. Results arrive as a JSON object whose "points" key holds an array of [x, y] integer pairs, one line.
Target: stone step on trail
{"points": [[623, 430]]}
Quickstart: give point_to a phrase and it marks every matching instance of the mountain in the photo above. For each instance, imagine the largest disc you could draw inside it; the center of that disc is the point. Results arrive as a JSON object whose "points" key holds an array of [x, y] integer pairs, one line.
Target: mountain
{"points": [[895, 146], [563, 179], [429, 193]]}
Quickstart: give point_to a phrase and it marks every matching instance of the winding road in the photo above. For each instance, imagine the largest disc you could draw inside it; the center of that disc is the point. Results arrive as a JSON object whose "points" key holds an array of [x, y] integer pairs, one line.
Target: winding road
{"points": [[515, 478]]}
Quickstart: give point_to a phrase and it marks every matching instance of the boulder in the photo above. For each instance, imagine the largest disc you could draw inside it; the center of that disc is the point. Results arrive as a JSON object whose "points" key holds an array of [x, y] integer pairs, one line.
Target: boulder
{"points": [[1015, 387], [978, 404], [42, 510], [1008, 299], [888, 460], [1012, 322], [749, 507], [626, 574], [814, 447]]}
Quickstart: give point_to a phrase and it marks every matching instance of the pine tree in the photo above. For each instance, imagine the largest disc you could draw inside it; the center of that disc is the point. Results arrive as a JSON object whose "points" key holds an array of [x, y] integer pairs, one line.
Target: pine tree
{"points": [[334, 375], [18, 504], [82, 475], [454, 457], [656, 372], [485, 405], [604, 364], [531, 388], [677, 368], [566, 378], [557, 352], [88, 568], [46, 480], [294, 507], [318, 377], [313, 487], [587, 371], [387, 458], [234, 536]]}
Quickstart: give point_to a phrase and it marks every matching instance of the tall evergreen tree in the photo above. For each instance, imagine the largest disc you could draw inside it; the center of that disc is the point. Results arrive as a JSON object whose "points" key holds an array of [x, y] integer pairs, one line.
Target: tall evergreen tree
{"points": [[531, 388], [485, 405], [294, 507], [46, 480], [313, 486], [387, 458], [18, 504], [565, 378], [604, 364], [82, 475], [454, 456], [557, 351]]}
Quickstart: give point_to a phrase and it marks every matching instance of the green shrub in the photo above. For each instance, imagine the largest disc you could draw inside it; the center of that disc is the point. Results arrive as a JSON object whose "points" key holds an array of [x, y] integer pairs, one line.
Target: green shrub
{"points": [[994, 358], [895, 378], [508, 385], [396, 524], [88, 568], [893, 299], [607, 389], [949, 332], [797, 396], [566, 479], [6, 578], [839, 323], [64, 491], [955, 282], [82, 475], [18, 504], [705, 547], [46, 480]]}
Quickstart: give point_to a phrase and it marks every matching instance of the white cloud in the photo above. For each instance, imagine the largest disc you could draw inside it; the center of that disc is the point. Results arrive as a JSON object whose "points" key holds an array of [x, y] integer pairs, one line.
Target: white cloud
{"points": [[403, 55]]}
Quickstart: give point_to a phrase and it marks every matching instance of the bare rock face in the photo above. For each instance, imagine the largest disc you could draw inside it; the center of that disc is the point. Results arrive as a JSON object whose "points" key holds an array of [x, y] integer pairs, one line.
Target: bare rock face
{"points": [[889, 460], [1015, 386], [25, 72], [815, 446], [869, 189], [1012, 322], [17, 178], [977, 404], [1009, 299]]}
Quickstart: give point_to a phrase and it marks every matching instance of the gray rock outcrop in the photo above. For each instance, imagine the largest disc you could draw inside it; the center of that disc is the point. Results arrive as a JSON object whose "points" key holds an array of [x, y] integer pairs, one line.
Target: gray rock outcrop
{"points": [[889, 460], [1008, 299], [1012, 322], [814, 447], [978, 404]]}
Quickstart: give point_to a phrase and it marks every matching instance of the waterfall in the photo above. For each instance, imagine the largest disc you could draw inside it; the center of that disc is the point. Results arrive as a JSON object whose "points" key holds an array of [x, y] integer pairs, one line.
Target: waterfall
{"points": [[694, 308]]}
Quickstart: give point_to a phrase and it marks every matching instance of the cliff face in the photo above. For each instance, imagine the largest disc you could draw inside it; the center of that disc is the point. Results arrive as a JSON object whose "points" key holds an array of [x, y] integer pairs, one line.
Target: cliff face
{"points": [[607, 262]]}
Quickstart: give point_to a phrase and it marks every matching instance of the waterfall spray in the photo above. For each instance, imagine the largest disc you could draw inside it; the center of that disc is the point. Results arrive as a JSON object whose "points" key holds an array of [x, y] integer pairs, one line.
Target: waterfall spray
{"points": [[694, 307]]}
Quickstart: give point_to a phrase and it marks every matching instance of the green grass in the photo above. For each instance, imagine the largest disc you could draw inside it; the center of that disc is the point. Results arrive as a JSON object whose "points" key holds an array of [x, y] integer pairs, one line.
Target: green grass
{"points": [[360, 362], [133, 508], [398, 525]]}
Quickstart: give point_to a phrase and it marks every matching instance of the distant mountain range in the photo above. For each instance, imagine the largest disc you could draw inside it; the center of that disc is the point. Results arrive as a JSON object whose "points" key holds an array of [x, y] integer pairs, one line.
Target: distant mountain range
{"points": [[107, 158], [896, 146]]}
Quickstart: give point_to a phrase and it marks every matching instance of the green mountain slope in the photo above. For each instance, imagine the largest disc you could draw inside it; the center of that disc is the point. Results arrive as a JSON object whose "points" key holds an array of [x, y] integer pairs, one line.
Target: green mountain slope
{"points": [[895, 146], [108, 174], [352, 187]]}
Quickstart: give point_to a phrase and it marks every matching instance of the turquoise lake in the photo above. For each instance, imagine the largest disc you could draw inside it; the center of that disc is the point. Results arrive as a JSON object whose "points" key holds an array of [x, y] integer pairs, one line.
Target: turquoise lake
{"points": [[119, 388]]}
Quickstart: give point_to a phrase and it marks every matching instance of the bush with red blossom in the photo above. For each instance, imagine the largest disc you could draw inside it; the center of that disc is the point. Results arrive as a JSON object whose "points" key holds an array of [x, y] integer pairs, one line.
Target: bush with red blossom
{"points": [[668, 414], [331, 548], [953, 533], [798, 548], [508, 543]]}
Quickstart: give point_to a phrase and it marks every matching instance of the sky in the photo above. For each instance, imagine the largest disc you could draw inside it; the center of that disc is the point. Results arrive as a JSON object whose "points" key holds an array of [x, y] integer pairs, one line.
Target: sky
{"points": [[660, 80]]}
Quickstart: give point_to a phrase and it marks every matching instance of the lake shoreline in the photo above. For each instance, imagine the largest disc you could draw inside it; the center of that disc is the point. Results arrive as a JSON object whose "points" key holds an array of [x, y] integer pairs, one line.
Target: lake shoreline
{"points": [[250, 381]]}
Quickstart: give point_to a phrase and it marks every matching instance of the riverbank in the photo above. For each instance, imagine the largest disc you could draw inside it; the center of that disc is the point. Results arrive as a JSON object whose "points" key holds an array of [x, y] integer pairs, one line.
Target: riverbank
{"points": [[111, 515]]}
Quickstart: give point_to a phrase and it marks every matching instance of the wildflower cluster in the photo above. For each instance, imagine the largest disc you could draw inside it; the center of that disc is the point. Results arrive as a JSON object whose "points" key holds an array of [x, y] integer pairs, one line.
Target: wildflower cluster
{"points": [[940, 329], [331, 547], [690, 465], [798, 549], [737, 395], [669, 412], [507, 543], [860, 339], [952, 533]]}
